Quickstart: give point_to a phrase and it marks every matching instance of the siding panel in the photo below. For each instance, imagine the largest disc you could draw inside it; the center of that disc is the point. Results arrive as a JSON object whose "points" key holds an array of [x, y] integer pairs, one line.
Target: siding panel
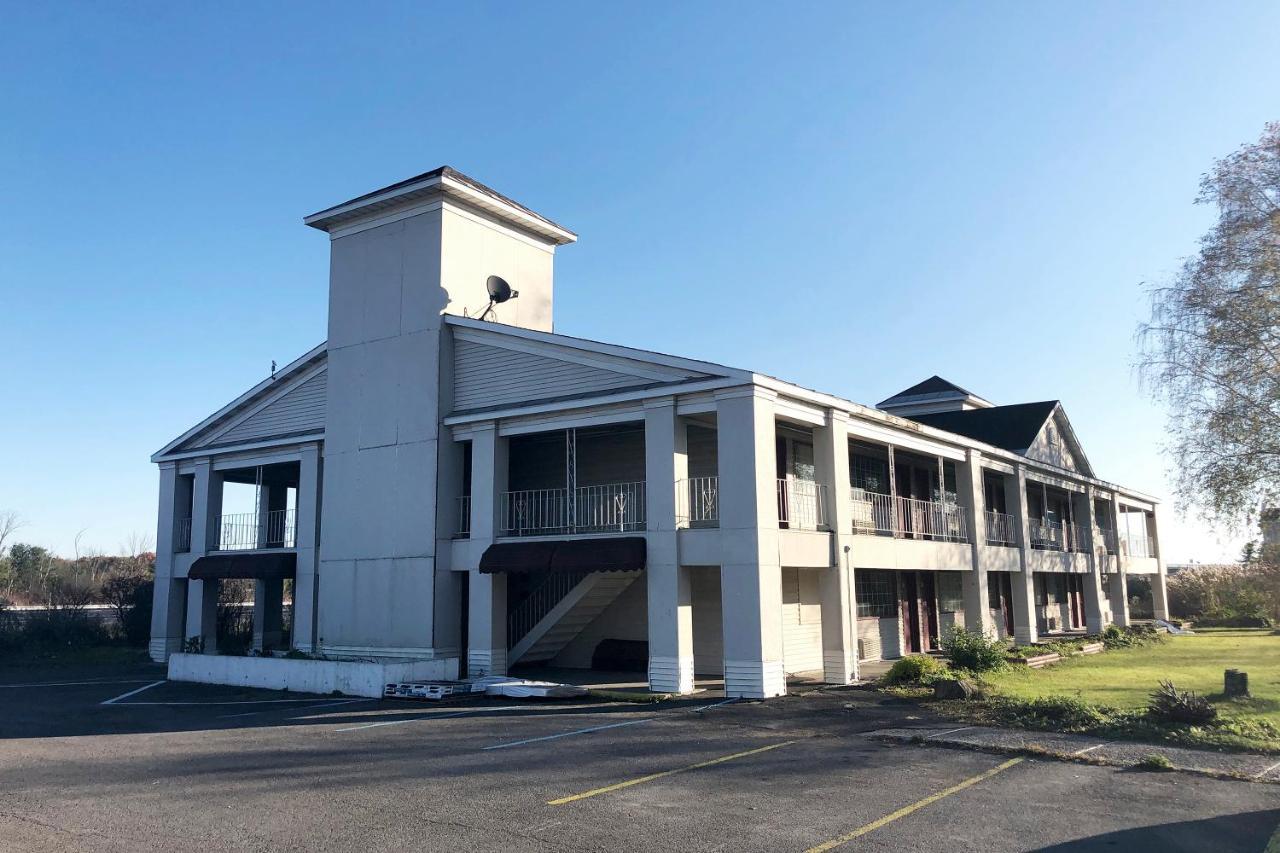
{"points": [[801, 621], [492, 376], [301, 409]]}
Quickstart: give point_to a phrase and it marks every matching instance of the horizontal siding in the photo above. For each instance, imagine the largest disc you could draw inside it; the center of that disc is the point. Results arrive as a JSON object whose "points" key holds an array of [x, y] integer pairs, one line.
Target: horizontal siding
{"points": [[300, 409], [491, 376], [801, 621]]}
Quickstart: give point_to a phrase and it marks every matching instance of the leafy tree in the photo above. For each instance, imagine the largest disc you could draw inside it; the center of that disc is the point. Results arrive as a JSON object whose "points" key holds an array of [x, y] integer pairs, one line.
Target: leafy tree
{"points": [[1211, 349]]}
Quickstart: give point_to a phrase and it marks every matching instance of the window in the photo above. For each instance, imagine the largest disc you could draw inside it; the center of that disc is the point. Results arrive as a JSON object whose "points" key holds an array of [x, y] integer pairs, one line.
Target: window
{"points": [[950, 596], [993, 591], [876, 593], [869, 474]]}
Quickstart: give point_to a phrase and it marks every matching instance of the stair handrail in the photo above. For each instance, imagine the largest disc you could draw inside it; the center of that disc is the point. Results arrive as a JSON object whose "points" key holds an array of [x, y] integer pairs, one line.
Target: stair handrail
{"points": [[539, 603]]}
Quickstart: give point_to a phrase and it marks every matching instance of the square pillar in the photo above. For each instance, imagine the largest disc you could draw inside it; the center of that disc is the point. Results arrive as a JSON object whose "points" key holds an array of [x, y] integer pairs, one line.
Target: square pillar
{"points": [[670, 598], [973, 584], [489, 470], [306, 582], [1159, 585], [486, 624], [268, 614], [168, 596], [750, 573], [1083, 512], [206, 512], [1025, 630], [836, 583], [202, 613]]}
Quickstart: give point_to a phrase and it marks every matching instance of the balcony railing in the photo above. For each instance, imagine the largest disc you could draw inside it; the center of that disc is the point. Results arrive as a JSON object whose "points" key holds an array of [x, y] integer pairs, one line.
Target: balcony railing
{"points": [[182, 536], [463, 527], [248, 531], [1001, 529], [1046, 535], [698, 502], [1138, 545], [908, 518], [611, 508], [802, 505], [1077, 538], [1108, 537]]}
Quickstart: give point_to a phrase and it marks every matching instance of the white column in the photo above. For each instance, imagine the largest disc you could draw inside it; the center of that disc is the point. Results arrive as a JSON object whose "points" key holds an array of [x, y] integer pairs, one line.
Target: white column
{"points": [[1159, 585], [1119, 580], [206, 507], [1025, 629], [750, 574], [670, 599], [268, 614], [167, 598], [836, 584], [306, 582], [977, 610], [1083, 512], [486, 593], [202, 613]]}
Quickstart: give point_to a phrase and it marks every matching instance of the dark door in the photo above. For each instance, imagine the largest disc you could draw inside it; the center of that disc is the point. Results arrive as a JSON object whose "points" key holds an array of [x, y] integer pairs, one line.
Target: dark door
{"points": [[780, 470], [910, 614], [464, 623], [929, 608], [1006, 601], [1077, 601]]}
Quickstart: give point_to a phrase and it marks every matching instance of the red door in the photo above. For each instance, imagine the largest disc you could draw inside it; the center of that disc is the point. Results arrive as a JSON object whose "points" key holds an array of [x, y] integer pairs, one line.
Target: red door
{"points": [[910, 614], [929, 608]]}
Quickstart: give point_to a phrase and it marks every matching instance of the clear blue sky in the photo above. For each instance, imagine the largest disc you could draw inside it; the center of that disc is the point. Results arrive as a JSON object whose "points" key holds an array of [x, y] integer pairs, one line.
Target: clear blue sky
{"points": [[847, 196]]}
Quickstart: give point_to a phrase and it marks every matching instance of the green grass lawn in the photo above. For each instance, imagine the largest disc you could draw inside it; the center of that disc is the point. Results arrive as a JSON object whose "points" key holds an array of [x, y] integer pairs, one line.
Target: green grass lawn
{"points": [[1125, 678]]}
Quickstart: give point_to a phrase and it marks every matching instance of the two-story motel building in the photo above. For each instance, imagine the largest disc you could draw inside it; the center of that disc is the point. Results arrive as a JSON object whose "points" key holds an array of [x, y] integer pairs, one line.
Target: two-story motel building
{"points": [[486, 493]]}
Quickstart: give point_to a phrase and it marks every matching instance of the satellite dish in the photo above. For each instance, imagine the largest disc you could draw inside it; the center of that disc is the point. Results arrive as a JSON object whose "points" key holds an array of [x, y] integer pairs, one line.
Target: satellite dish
{"points": [[499, 290]]}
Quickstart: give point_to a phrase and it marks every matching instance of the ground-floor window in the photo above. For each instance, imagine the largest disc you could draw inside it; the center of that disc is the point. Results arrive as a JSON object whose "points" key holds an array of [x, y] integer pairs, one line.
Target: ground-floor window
{"points": [[876, 592], [950, 595]]}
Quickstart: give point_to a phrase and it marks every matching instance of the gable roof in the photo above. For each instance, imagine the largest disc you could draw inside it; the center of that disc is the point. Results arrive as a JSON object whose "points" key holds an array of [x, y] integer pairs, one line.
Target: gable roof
{"points": [[932, 390], [1008, 427]]}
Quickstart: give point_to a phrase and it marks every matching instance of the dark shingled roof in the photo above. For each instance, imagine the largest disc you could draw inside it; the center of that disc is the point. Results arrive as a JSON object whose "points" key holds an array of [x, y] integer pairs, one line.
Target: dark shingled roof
{"points": [[1007, 427], [933, 385]]}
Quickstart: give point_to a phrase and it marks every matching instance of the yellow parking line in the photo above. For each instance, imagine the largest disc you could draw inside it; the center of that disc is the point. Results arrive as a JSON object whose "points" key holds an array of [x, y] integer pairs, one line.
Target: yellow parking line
{"points": [[916, 806], [627, 784]]}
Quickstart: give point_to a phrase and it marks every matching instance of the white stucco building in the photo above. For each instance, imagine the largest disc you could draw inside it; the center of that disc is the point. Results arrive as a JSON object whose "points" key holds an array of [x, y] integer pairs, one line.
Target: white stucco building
{"points": [[482, 493]]}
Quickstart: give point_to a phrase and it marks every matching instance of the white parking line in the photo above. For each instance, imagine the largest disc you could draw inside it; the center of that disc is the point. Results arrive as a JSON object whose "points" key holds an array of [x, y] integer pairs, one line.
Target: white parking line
{"points": [[1264, 772], [76, 683], [570, 734], [719, 704], [1090, 748], [132, 692], [951, 732], [308, 708], [433, 716]]}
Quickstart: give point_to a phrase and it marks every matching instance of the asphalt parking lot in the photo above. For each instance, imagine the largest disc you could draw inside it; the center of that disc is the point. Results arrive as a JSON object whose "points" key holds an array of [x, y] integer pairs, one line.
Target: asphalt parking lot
{"points": [[121, 760]]}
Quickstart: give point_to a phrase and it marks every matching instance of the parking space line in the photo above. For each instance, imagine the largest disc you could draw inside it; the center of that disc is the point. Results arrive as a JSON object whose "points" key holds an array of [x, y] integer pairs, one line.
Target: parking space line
{"points": [[953, 731], [595, 792], [431, 716], [76, 683], [133, 692], [914, 807], [308, 708], [1264, 772], [569, 734], [721, 703], [1089, 749]]}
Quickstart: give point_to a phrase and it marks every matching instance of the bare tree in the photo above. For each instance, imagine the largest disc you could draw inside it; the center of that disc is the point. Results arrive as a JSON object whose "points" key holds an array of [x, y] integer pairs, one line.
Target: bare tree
{"points": [[10, 521], [135, 544], [1211, 350]]}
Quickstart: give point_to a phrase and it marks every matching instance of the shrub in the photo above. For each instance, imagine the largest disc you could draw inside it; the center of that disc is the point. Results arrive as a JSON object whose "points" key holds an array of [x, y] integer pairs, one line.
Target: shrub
{"points": [[1172, 705], [915, 669], [1054, 713], [1115, 637], [974, 652], [1155, 761]]}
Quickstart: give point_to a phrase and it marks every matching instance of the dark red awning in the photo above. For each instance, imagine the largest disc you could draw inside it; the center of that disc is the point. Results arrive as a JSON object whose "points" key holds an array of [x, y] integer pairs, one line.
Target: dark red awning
{"points": [[614, 554], [259, 566]]}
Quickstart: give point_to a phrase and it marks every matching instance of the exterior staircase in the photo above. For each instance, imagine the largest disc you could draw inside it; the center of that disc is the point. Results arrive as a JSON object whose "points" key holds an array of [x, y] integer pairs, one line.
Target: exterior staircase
{"points": [[566, 618]]}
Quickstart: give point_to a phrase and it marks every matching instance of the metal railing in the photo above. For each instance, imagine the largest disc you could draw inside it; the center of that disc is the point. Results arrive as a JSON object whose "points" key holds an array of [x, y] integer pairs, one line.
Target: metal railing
{"points": [[182, 536], [1001, 529], [1138, 545], [1077, 538], [698, 502], [248, 531], [908, 518], [802, 505], [610, 508], [463, 527], [541, 599], [1046, 535], [1108, 537]]}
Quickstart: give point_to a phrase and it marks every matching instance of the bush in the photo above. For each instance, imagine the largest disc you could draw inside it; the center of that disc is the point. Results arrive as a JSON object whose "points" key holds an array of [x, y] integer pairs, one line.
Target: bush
{"points": [[1236, 621], [915, 669], [974, 652], [1155, 761], [1171, 705], [1054, 713], [1115, 637]]}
